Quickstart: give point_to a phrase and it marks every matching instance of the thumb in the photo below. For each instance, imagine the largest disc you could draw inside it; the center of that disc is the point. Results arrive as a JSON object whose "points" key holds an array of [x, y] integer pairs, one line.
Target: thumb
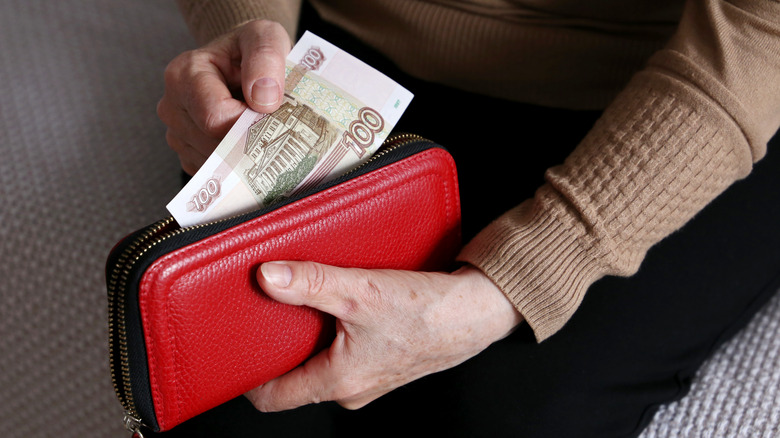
{"points": [[264, 46], [322, 287]]}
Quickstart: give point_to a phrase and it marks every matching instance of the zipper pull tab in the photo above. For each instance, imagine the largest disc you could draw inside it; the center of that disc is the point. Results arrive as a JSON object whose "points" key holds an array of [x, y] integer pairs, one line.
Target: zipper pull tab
{"points": [[133, 425]]}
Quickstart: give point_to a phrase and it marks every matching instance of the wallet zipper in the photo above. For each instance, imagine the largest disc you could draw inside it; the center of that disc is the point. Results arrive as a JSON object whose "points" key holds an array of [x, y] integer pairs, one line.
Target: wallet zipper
{"points": [[117, 329], [119, 277]]}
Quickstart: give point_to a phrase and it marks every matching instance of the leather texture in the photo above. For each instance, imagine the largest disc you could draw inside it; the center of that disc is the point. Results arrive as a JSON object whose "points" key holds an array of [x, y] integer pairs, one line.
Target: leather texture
{"points": [[210, 332]]}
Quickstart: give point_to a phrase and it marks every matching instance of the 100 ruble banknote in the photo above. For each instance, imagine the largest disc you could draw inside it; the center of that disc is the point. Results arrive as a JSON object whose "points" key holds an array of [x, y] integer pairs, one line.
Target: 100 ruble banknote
{"points": [[336, 113]]}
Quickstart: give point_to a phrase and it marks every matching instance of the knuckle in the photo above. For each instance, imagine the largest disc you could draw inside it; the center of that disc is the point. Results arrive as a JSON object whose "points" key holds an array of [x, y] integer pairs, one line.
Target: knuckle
{"points": [[373, 292], [208, 120], [259, 403], [212, 123], [317, 280], [171, 139], [173, 71], [163, 113], [326, 287], [370, 295], [160, 108], [176, 144]]}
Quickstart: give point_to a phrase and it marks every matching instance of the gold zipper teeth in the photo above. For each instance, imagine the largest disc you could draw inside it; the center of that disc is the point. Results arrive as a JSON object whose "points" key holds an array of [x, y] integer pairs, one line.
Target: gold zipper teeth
{"points": [[116, 299], [390, 144], [140, 246], [117, 327]]}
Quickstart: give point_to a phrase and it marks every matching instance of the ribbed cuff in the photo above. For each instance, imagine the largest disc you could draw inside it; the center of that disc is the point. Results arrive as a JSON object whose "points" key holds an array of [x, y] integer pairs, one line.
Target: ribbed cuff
{"points": [[540, 255], [660, 153]]}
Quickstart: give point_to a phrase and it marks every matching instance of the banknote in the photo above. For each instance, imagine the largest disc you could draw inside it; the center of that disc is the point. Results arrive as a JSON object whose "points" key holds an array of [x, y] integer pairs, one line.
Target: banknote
{"points": [[336, 113]]}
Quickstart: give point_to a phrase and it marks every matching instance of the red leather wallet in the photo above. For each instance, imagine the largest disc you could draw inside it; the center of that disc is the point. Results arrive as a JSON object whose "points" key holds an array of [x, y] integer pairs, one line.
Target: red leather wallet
{"points": [[190, 327]]}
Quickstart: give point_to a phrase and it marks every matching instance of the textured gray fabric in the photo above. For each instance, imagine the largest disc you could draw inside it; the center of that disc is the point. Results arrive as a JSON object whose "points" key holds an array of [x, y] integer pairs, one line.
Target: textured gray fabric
{"points": [[84, 162], [736, 393]]}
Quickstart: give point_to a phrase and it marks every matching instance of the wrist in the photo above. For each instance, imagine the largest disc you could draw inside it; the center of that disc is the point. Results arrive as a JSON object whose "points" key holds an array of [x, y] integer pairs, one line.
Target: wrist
{"points": [[499, 312]]}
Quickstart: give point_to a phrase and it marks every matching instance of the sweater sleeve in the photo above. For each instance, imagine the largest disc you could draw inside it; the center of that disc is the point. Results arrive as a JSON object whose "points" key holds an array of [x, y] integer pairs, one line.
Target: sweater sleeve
{"points": [[208, 19], [686, 127]]}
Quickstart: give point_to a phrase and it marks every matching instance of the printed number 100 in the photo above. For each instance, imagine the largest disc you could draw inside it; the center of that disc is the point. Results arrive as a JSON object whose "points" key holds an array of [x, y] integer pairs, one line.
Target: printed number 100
{"points": [[206, 194]]}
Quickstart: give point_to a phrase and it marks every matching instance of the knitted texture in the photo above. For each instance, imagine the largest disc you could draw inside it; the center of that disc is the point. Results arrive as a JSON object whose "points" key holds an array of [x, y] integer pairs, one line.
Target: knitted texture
{"points": [[737, 391], [681, 132], [208, 19], [657, 156]]}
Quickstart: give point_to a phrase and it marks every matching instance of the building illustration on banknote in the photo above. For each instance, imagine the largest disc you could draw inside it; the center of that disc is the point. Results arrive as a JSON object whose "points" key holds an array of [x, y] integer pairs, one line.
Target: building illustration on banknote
{"points": [[284, 147]]}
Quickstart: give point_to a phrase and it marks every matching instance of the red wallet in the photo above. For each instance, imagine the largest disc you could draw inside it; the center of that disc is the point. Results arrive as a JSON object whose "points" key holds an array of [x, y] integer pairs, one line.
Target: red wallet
{"points": [[189, 326]]}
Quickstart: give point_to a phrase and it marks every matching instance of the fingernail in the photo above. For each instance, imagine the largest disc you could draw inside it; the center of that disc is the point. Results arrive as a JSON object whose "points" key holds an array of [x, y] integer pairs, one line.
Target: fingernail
{"points": [[278, 274], [265, 92]]}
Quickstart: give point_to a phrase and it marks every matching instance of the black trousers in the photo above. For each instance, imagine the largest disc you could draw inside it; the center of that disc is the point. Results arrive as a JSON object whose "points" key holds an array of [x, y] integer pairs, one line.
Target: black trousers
{"points": [[634, 344]]}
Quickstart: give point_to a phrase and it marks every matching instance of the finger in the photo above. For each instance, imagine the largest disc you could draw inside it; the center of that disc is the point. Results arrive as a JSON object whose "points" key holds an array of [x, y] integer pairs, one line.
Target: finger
{"points": [[360, 400], [315, 381], [182, 128], [306, 384], [337, 291], [196, 85], [210, 104], [264, 46], [189, 157]]}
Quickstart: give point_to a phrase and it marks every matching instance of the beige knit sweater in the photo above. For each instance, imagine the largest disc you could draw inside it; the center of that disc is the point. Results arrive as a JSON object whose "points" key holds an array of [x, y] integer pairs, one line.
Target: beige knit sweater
{"points": [[692, 97]]}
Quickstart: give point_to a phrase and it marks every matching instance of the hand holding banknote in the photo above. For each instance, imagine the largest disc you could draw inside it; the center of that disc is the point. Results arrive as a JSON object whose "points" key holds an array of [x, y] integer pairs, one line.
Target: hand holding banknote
{"points": [[335, 113], [202, 87]]}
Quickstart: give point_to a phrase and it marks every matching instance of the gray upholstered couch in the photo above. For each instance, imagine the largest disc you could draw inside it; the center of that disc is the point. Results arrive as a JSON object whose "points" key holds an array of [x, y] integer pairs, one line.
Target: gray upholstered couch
{"points": [[83, 161]]}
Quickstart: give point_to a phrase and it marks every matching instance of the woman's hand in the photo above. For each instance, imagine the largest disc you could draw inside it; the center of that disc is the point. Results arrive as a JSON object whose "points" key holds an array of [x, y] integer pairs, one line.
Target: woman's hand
{"points": [[392, 327], [203, 87]]}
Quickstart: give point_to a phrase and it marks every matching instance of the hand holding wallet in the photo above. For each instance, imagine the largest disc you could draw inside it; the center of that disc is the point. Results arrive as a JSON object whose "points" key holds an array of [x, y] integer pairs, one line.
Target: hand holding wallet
{"points": [[190, 327]]}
